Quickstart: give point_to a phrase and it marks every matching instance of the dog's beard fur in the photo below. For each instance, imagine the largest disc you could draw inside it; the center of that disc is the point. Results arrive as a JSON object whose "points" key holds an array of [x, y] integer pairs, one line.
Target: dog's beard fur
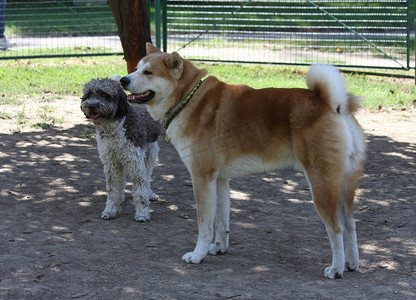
{"points": [[99, 111], [104, 101]]}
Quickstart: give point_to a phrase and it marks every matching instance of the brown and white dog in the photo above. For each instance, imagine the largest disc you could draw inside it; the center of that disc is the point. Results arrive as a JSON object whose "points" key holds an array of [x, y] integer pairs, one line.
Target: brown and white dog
{"points": [[232, 130]]}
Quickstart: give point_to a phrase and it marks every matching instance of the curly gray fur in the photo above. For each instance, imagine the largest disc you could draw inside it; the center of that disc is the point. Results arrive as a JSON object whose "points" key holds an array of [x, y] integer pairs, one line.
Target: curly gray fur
{"points": [[140, 128]]}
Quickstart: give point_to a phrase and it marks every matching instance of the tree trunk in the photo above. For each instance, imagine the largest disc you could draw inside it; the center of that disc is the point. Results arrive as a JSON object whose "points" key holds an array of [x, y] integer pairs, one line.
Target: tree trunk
{"points": [[133, 28]]}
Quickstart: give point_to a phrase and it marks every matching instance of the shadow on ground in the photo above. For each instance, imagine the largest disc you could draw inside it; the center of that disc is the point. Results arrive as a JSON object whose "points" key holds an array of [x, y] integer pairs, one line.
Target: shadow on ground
{"points": [[55, 245]]}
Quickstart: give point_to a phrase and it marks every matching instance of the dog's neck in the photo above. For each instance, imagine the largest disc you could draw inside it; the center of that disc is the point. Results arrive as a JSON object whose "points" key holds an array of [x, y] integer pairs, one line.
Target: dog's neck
{"points": [[103, 132], [176, 109]]}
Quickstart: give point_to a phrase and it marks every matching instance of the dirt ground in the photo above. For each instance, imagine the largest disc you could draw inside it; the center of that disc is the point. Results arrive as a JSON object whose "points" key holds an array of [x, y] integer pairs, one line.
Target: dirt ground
{"points": [[54, 245]]}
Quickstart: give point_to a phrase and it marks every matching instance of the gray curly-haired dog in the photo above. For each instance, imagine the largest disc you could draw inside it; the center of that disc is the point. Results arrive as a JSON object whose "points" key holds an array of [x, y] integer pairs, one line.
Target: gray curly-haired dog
{"points": [[126, 141]]}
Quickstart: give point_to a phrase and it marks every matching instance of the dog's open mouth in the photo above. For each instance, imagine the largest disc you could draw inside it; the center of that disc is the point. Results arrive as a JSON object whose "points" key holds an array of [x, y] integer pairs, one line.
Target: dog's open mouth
{"points": [[95, 116], [141, 98]]}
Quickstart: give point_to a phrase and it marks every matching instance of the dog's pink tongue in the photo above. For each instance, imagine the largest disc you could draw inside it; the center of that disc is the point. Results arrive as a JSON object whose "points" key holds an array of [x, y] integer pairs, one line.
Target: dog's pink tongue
{"points": [[134, 96], [95, 116]]}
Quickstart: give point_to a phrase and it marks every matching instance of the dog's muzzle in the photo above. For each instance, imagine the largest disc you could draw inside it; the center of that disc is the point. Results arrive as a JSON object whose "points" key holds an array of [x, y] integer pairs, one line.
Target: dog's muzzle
{"points": [[136, 98]]}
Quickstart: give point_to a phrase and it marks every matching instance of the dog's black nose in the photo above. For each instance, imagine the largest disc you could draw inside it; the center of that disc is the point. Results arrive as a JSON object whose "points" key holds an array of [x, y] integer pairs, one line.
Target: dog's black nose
{"points": [[124, 81]]}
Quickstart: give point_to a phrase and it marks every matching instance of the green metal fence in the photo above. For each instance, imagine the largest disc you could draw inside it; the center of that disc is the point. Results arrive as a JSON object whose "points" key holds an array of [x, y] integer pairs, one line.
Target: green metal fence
{"points": [[49, 28], [356, 33], [353, 33]]}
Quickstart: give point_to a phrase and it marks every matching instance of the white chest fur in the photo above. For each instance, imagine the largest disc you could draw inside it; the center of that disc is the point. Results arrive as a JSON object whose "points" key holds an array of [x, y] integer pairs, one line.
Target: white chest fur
{"points": [[113, 148]]}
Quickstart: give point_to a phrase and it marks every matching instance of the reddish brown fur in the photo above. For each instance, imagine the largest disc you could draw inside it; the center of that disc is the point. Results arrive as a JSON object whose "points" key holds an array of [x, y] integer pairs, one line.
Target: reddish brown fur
{"points": [[224, 126]]}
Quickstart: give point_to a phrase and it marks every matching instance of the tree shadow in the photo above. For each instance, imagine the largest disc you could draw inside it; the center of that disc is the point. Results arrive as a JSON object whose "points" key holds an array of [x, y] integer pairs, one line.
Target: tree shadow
{"points": [[53, 191]]}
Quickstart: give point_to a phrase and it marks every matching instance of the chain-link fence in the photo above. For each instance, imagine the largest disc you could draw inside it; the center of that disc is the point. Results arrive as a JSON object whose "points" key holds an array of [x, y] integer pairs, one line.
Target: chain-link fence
{"points": [[47, 28], [358, 33]]}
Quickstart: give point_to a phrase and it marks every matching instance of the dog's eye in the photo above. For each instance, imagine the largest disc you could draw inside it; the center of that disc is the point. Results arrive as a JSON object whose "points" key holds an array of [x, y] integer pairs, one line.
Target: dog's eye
{"points": [[103, 95], [146, 72]]}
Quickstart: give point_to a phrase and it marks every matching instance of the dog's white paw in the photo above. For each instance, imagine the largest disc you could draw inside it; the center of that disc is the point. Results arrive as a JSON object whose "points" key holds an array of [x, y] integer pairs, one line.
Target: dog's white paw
{"points": [[153, 197], [216, 249], [351, 259], [142, 215], [333, 273], [351, 266], [193, 257], [109, 214]]}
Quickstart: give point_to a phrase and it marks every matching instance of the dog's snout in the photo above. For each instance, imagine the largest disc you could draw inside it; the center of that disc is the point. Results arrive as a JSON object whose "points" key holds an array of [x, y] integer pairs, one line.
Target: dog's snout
{"points": [[92, 105], [124, 81]]}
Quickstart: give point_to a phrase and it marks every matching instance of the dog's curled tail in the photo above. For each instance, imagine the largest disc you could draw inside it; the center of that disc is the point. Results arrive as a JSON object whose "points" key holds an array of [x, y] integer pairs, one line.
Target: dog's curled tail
{"points": [[327, 81]]}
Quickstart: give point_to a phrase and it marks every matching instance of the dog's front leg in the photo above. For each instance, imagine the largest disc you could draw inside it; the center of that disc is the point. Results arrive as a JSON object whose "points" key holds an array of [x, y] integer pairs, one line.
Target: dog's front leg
{"points": [[141, 191], [150, 162], [205, 192], [222, 218], [141, 194], [114, 175]]}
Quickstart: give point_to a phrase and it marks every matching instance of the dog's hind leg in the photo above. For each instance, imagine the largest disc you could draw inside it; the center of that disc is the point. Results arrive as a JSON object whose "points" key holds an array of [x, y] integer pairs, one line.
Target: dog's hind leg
{"points": [[115, 182], [222, 218], [205, 192], [141, 189], [345, 213], [141, 196], [150, 162], [326, 196], [141, 200]]}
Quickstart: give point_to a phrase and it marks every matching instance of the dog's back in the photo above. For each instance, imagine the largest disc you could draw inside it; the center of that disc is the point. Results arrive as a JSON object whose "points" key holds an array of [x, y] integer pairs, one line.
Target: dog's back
{"points": [[141, 129]]}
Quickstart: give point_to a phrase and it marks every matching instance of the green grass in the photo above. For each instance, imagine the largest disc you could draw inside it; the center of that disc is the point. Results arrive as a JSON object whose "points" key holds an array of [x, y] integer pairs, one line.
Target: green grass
{"points": [[21, 117], [57, 51], [5, 115], [389, 93], [46, 113], [52, 79]]}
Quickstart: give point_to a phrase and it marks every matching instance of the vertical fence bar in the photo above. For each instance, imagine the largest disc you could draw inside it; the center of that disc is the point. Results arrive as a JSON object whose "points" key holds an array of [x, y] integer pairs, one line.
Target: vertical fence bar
{"points": [[408, 35], [165, 24], [157, 13]]}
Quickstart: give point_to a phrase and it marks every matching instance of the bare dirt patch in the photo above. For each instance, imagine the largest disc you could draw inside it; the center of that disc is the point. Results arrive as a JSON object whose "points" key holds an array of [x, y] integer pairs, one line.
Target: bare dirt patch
{"points": [[54, 245]]}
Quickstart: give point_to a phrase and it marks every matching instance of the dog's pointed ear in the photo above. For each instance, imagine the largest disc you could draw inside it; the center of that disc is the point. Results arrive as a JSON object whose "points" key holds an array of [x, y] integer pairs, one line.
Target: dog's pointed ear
{"points": [[151, 49], [175, 62]]}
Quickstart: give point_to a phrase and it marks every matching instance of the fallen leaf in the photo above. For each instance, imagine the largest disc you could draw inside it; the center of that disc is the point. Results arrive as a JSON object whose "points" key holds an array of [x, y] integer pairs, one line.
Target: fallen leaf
{"points": [[184, 216]]}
